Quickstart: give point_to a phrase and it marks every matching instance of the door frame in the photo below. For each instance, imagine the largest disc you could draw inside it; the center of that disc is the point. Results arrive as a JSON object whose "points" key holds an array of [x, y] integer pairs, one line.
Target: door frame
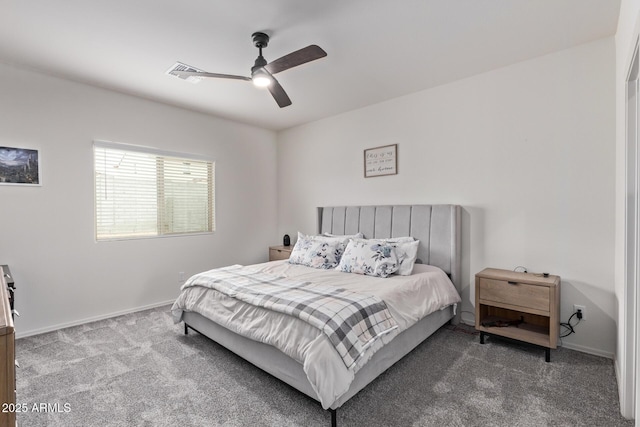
{"points": [[631, 322]]}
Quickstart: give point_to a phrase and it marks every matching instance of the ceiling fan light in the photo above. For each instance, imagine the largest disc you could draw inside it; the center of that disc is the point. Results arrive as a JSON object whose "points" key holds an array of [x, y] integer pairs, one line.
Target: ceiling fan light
{"points": [[260, 78], [261, 81]]}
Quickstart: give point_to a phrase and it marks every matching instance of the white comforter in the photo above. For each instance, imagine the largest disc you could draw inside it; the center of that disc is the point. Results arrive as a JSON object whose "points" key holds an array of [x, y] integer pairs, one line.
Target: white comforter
{"points": [[408, 298]]}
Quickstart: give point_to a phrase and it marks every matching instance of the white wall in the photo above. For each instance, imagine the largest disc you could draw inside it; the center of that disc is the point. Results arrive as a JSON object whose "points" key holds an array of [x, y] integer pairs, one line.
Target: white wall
{"points": [[626, 38], [528, 151], [47, 233]]}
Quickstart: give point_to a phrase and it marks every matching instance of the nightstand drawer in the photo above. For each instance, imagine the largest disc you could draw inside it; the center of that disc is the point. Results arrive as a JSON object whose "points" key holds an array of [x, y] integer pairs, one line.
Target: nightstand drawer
{"points": [[276, 253], [515, 293]]}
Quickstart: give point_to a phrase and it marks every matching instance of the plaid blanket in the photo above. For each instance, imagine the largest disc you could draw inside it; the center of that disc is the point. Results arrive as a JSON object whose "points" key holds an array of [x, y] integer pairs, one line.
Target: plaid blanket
{"points": [[350, 320]]}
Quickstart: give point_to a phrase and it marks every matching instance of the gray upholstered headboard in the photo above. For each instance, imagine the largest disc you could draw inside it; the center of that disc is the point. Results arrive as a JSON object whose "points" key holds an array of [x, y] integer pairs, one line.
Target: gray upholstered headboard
{"points": [[436, 226]]}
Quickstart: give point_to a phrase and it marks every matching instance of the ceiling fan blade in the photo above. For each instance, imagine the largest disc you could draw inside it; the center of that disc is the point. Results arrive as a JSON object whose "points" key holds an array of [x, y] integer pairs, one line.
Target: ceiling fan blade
{"points": [[279, 94], [205, 74], [299, 57]]}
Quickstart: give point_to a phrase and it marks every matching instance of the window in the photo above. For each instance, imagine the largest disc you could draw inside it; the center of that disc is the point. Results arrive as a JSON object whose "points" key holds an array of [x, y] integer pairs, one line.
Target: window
{"points": [[143, 192]]}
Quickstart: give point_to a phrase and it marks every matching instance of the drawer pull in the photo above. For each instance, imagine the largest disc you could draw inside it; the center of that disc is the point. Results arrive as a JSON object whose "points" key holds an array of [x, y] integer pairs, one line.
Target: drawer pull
{"points": [[512, 283]]}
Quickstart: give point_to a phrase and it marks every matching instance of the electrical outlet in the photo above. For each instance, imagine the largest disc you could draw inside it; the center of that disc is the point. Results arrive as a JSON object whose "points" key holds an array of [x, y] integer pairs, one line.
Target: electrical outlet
{"points": [[181, 277], [582, 309]]}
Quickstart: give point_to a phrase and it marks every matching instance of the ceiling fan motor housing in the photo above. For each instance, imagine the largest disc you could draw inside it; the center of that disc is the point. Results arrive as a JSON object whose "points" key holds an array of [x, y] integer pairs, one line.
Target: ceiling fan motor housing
{"points": [[260, 40], [260, 62]]}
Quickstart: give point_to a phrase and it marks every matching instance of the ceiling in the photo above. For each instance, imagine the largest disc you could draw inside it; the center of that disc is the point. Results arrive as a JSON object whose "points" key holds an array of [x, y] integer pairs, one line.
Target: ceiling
{"points": [[377, 50]]}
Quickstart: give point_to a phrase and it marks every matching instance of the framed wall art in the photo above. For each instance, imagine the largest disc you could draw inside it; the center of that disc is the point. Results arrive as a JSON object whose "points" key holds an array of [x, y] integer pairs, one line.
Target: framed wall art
{"points": [[19, 166], [380, 161]]}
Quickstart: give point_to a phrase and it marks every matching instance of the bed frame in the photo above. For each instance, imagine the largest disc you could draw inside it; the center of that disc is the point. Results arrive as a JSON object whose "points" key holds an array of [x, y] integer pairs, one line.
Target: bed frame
{"points": [[438, 229]]}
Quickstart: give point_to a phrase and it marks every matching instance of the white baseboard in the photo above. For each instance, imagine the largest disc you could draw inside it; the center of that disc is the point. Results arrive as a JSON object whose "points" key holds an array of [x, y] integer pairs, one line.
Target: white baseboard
{"points": [[24, 334], [580, 348], [588, 350], [469, 322]]}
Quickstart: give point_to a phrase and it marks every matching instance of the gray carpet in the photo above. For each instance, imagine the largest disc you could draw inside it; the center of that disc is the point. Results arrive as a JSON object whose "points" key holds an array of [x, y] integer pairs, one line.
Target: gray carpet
{"points": [[140, 370]]}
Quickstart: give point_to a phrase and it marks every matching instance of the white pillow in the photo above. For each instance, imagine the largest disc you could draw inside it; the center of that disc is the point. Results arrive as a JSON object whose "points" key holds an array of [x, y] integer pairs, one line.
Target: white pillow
{"points": [[406, 250], [371, 258], [324, 237], [316, 253], [331, 239], [399, 239], [345, 236]]}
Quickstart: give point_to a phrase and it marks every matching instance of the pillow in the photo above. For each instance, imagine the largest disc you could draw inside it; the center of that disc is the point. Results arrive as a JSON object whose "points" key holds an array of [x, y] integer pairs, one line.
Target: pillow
{"points": [[316, 253], [406, 251], [343, 240], [371, 258], [399, 239], [345, 236], [329, 237], [318, 236]]}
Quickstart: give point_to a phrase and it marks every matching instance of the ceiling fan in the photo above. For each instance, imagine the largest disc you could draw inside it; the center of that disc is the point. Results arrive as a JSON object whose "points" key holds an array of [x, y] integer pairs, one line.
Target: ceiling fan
{"points": [[262, 72]]}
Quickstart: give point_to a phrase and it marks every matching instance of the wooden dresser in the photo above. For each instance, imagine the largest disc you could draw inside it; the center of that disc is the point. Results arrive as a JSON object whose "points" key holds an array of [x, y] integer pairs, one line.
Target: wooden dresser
{"points": [[7, 357], [521, 306]]}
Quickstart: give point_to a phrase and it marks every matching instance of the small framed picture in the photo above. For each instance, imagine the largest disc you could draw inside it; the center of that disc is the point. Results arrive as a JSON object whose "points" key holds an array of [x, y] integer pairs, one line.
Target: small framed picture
{"points": [[380, 161], [19, 166]]}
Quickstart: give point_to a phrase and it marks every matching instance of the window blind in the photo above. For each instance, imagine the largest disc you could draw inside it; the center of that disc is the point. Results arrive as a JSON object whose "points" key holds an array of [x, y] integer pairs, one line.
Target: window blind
{"points": [[142, 192]]}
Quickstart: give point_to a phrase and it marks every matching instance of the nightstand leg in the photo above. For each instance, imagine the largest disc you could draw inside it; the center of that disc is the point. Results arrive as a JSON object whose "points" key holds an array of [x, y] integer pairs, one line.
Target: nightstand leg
{"points": [[481, 337], [547, 355]]}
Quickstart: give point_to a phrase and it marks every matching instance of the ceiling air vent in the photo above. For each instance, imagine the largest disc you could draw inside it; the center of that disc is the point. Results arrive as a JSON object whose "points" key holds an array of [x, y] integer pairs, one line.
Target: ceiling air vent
{"points": [[179, 66]]}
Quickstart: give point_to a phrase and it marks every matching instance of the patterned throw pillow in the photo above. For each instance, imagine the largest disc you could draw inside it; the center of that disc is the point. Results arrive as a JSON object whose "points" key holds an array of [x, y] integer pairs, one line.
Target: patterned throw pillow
{"points": [[316, 253], [406, 250], [345, 236], [370, 258]]}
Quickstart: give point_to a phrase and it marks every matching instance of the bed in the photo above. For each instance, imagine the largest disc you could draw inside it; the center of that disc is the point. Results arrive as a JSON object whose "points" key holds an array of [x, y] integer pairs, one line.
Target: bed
{"points": [[437, 227]]}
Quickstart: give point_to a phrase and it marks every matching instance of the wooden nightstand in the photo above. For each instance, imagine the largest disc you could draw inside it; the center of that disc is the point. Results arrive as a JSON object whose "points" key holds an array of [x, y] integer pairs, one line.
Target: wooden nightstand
{"points": [[279, 252], [521, 306]]}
